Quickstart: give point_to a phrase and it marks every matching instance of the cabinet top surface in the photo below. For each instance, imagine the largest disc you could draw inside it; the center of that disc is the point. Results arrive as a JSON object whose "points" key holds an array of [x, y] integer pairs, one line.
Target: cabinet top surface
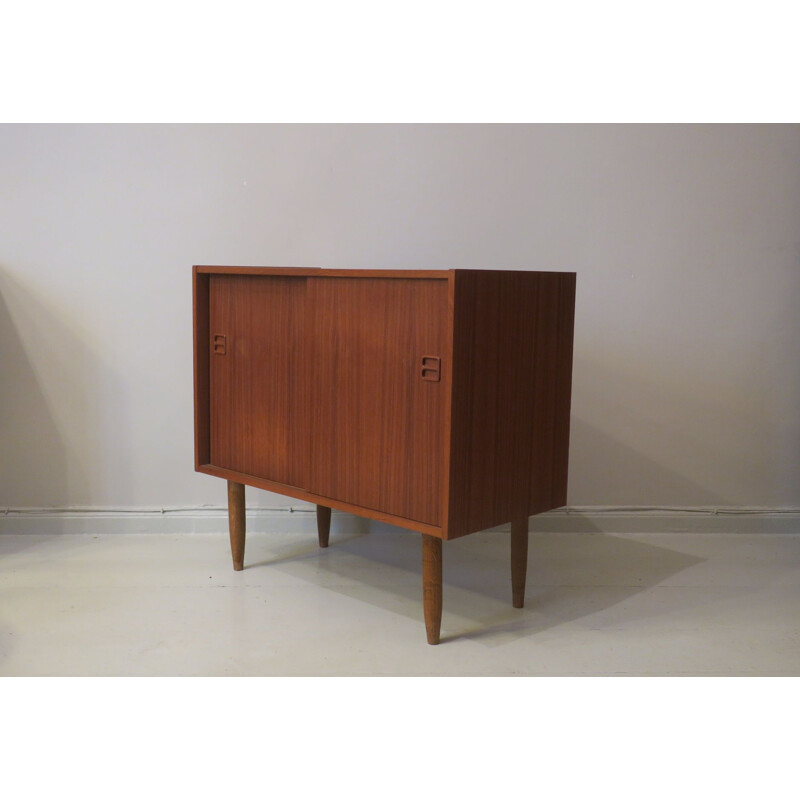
{"points": [[442, 274]]}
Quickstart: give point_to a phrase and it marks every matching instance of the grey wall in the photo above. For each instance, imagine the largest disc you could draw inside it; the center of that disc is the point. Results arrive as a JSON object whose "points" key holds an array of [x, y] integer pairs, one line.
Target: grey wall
{"points": [[686, 241]]}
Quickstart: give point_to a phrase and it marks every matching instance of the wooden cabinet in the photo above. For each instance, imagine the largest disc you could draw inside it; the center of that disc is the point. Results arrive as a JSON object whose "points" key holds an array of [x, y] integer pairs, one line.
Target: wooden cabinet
{"points": [[435, 400]]}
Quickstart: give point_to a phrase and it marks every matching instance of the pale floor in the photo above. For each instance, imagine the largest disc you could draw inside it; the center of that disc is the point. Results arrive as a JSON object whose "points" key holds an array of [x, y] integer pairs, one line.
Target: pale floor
{"points": [[596, 604]]}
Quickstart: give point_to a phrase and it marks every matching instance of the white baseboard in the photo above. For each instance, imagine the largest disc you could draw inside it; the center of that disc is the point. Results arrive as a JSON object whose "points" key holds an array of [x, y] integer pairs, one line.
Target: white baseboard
{"points": [[635, 519], [159, 520], [575, 519]]}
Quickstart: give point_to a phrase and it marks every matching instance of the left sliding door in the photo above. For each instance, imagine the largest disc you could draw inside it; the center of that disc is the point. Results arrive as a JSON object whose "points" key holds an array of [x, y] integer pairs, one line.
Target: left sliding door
{"points": [[256, 376]]}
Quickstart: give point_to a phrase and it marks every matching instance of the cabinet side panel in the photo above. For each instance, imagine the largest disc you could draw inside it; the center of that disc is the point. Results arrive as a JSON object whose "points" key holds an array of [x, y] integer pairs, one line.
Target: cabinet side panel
{"points": [[544, 320], [510, 405], [493, 384], [553, 322], [562, 395], [377, 422], [256, 352]]}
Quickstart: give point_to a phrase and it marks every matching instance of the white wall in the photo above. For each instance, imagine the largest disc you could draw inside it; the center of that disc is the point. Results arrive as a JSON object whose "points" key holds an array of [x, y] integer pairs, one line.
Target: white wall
{"points": [[686, 241]]}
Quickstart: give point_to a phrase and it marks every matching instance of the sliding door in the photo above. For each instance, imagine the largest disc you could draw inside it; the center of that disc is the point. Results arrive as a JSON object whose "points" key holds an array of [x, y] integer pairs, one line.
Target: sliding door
{"points": [[376, 392], [257, 395]]}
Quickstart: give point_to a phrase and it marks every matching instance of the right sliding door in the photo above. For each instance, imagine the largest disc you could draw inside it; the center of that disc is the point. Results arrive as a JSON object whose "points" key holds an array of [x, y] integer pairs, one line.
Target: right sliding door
{"points": [[376, 367]]}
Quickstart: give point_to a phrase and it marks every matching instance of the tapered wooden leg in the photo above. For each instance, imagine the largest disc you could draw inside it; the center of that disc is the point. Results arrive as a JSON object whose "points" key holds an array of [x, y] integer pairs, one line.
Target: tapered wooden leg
{"points": [[432, 586], [323, 525], [236, 522], [519, 560]]}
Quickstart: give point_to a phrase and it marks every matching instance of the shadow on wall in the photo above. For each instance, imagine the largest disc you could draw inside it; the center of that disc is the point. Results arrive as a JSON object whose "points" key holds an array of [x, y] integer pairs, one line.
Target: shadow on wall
{"points": [[662, 439], [52, 408], [33, 466], [605, 471]]}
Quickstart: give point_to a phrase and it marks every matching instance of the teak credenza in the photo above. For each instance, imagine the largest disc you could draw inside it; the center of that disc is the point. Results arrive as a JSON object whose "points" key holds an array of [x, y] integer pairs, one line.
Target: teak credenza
{"points": [[436, 400]]}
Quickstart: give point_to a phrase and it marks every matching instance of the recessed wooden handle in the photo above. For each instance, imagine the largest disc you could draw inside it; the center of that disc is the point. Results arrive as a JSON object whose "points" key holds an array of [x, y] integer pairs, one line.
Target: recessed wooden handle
{"points": [[431, 368]]}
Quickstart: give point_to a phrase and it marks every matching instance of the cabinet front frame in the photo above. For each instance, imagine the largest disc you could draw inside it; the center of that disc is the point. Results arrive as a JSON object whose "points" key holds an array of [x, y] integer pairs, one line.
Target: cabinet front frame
{"points": [[201, 281]]}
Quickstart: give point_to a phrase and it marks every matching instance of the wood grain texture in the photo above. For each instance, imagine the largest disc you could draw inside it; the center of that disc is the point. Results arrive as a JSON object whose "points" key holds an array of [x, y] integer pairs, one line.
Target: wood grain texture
{"points": [[563, 402], [549, 447], [432, 586], [519, 560], [257, 415], [237, 523], [323, 525], [508, 449], [377, 428]]}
